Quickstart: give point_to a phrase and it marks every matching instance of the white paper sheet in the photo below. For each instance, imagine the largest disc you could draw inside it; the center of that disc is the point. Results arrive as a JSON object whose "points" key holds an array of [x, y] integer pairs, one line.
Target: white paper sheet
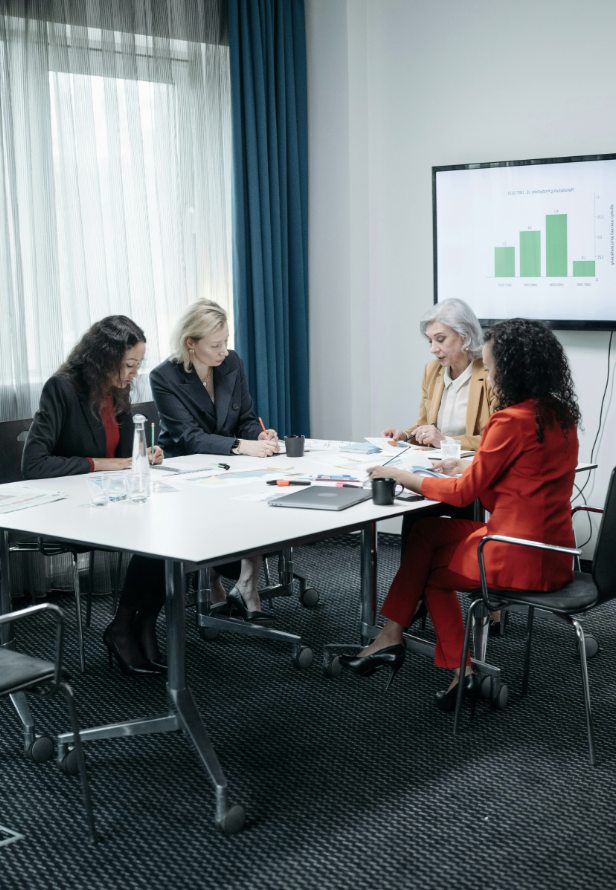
{"points": [[23, 496]]}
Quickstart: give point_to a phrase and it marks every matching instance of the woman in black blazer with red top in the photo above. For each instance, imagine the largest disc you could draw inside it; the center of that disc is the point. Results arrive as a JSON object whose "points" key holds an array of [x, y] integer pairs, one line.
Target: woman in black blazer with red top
{"points": [[204, 407], [84, 424]]}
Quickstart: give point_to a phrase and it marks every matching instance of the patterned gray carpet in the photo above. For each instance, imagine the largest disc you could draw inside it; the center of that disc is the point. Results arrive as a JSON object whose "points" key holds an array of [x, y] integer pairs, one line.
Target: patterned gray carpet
{"points": [[344, 787]]}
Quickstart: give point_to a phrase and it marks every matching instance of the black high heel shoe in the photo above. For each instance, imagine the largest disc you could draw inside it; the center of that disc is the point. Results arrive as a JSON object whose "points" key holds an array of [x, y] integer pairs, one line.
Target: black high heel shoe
{"points": [[146, 638], [236, 601], [446, 700], [220, 610], [391, 657], [421, 614], [127, 669]]}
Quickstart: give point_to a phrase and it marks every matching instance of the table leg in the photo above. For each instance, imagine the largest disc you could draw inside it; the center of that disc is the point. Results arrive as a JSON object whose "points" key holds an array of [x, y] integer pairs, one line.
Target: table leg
{"points": [[183, 713], [368, 580]]}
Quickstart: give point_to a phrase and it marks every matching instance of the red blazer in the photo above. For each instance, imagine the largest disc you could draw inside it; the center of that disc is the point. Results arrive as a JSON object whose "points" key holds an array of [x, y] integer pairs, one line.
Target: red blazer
{"points": [[526, 486]]}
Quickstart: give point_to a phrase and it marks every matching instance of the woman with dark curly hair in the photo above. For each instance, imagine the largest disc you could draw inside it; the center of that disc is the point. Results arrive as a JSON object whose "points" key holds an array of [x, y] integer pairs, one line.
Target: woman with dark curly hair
{"points": [[523, 474], [84, 425]]}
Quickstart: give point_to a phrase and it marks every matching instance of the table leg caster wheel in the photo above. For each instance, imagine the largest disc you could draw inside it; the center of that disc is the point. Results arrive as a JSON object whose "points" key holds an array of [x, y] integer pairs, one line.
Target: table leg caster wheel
{"points": [[309, 598], [41, 749], [486, 688], [233, 820], [69, 764], [333, 669], [209, 633], [303, 659], [500, 696]]}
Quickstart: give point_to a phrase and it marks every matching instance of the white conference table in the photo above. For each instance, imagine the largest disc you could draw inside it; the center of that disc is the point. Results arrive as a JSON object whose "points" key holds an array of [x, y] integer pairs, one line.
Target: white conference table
{"points": [[193, 528]]}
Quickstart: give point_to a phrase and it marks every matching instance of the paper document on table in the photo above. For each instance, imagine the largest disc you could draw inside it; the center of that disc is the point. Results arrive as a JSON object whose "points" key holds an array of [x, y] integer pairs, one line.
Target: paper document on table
{"points": [[384, 445], [324, 444], [22, 496]]}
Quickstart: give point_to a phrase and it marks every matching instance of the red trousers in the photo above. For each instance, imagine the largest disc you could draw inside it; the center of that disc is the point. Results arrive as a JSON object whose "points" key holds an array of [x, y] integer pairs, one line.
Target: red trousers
{"points": [[424, 572]]}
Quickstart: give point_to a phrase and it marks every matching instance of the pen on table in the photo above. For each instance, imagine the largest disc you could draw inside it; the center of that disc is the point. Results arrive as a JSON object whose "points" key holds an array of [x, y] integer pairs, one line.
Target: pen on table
{"points": [[395, 456]]}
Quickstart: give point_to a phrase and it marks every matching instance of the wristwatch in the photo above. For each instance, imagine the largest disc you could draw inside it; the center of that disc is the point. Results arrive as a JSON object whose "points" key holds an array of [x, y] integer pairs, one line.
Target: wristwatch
{"points": [[236, 444]]}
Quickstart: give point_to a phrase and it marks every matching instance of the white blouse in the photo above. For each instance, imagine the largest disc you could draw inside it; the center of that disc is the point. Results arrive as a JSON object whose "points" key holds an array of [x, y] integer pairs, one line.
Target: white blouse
{"points": [[451, 420]]}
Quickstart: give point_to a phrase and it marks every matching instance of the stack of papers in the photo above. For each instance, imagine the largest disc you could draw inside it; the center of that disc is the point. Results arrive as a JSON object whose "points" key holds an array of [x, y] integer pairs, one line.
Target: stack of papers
{"points": [[22, 496]]}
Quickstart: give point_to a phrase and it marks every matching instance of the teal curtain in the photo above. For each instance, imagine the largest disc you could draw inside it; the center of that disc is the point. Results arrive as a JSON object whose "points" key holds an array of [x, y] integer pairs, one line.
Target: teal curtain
{"points": [[267, 51]]}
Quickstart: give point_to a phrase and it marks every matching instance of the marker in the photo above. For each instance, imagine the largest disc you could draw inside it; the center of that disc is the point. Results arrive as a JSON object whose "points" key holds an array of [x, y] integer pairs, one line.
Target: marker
{"points": [[285, 482]]}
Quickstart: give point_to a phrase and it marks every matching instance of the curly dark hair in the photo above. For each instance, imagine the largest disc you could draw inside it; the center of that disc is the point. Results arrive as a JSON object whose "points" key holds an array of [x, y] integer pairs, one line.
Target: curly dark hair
{"points": [[97, 360], [530, 363]]}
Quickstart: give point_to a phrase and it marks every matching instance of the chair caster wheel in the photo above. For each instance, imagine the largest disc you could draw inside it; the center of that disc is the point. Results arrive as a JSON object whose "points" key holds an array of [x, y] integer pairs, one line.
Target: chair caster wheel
{"points": [[41, 749], [309, 598], [333, 669], [303, 659], [69, 764], [591, 644], [500, 696], [209, 633], [233, 820]]}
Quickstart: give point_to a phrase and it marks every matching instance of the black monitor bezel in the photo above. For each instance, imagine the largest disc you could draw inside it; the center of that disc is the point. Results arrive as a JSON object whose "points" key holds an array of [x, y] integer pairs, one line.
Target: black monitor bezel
{"points": [[558, 324]]}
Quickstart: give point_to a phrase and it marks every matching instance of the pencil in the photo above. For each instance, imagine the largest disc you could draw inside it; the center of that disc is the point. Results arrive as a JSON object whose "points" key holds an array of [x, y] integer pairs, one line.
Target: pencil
{"points": [[394, 457], [263, 426]]}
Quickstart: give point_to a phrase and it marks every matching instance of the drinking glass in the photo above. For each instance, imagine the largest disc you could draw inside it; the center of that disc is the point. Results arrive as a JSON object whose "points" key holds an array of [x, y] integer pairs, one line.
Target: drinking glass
{"points": [[451, 448], [139, 487], [117, 486], [98, 486]]}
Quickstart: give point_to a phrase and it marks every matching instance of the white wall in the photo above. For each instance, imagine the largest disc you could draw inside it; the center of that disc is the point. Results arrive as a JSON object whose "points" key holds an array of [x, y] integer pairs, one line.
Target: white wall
{"points": [[395, 87]]}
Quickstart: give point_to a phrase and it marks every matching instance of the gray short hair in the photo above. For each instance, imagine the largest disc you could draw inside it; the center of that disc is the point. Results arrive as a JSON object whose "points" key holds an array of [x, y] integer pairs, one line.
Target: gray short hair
{"points": [[197, 321], [458, 315]]}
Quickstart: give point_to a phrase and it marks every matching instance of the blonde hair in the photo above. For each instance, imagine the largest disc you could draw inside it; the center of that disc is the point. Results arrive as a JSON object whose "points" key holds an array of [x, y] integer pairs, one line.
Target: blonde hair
{"points": [[197, 321]]}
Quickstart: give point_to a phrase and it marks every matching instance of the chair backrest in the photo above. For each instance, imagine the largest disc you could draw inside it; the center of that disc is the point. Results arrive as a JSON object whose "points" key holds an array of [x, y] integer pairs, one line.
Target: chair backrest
{"points": [[13, 434], [148, 409], [604, 563]]}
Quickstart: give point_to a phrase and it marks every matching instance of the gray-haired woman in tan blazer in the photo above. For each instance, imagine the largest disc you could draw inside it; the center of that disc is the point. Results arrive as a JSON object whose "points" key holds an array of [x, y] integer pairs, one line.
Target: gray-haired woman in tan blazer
{"points": [[456, 399]]}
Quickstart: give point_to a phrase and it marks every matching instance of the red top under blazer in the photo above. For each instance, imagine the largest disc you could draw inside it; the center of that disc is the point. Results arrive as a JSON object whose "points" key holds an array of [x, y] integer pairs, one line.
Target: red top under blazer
{"points": [[526, 486]]}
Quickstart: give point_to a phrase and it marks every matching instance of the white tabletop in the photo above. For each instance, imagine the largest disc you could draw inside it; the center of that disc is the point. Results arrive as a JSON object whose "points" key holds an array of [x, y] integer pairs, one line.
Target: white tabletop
{"points": [[194, 524]]}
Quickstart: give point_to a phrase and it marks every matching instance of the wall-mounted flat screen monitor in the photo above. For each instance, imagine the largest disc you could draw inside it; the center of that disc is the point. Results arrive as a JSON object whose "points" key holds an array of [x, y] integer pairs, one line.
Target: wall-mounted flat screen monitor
{"points": [[532, 239]]}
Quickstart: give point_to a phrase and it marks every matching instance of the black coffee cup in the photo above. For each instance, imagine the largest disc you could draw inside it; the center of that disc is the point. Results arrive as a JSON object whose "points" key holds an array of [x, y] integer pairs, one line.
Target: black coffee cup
{"points": [[384, 491], [294, 445]]}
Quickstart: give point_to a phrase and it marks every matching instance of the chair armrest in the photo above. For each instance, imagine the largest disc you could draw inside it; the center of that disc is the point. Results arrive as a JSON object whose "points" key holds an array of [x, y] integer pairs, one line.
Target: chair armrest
{"points": [[28, 612], [586, 509], [521, 542]]}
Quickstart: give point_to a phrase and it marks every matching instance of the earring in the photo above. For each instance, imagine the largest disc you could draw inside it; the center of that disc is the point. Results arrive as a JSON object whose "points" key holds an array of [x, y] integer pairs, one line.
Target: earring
{"points": [[191, 351]]}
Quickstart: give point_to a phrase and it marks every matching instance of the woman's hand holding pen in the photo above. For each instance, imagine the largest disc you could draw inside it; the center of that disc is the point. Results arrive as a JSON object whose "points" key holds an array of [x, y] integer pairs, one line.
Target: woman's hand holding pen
{"points": [[428, 435], [260, 447], [158, 455], [410, 480], [396, 435], [269, 436]]}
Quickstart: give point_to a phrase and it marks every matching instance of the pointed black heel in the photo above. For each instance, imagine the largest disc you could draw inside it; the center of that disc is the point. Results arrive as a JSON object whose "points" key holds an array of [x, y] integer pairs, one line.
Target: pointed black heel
{"points": [[235, 601], [391, 657], [446, 700], [127, 669]]}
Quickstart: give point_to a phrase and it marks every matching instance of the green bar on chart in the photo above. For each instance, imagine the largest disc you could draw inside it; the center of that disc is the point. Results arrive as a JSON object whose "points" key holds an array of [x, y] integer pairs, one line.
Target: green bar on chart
{"points": [[530, 254], [556, 245], [583, 268], [504, 262]]}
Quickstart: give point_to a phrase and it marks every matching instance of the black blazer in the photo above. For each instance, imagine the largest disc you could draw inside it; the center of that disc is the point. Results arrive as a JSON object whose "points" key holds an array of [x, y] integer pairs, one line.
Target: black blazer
{"points": [[189, 422], [64, 433]]}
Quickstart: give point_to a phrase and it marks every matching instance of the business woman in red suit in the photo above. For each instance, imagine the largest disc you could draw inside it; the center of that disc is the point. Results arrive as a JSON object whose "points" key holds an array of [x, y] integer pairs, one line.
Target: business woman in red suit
{"points": [[523, 474]]}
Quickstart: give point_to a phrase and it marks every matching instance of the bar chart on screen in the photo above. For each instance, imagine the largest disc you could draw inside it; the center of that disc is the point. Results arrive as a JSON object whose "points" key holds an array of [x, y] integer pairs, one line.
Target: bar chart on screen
{"points": [[529, 240]]}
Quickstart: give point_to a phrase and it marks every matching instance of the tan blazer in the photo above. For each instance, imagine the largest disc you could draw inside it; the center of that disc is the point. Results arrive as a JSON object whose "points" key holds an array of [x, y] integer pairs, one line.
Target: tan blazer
{"points": [[481, 402]]}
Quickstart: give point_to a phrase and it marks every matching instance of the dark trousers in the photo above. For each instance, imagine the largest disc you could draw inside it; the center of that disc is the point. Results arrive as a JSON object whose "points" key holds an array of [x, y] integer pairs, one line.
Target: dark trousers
{"points": [[144, 585]]}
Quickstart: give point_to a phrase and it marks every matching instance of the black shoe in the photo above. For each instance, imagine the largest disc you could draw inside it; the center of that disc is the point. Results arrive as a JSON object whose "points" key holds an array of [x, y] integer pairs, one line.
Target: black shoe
{"points": [[421, 614], [220, 610], [127, 669], [446, 700], [391, 657], [236, 602]]}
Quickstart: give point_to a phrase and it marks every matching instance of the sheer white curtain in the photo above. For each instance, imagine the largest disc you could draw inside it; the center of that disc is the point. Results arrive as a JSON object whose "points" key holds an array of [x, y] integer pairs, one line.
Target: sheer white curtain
{"points": [[115, 184]]}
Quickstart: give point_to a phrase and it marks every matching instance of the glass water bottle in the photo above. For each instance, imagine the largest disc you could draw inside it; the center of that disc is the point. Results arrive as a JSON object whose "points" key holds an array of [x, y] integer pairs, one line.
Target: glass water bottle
{"points": [[140, 476]]}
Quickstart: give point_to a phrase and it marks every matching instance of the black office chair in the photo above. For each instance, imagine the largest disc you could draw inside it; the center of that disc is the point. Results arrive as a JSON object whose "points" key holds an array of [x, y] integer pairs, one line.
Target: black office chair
{"points": [[24, 673], [13, 434], [585, 592]]}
